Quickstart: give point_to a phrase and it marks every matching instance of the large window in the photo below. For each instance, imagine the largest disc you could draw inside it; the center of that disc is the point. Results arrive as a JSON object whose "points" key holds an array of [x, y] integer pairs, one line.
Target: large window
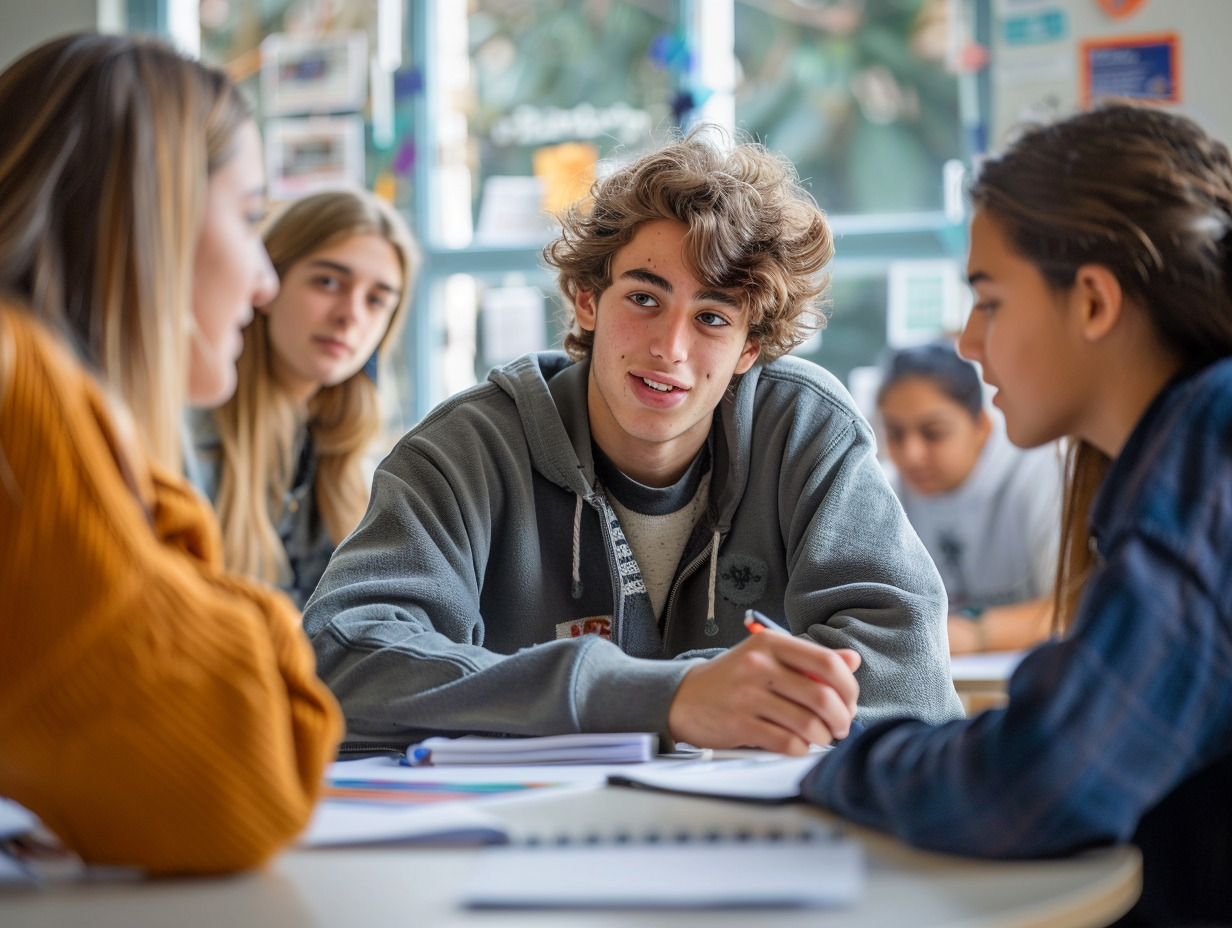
{"points": [[555, 85], [496, 113]]}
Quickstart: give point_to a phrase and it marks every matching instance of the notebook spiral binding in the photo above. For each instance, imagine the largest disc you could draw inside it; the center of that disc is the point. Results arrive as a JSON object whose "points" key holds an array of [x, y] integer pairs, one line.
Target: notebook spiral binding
{"points": [[740, 835]]}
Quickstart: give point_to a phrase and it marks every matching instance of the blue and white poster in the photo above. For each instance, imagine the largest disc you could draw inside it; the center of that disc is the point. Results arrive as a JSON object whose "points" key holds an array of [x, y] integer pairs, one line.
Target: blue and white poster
{"points": [[1138, 67]]}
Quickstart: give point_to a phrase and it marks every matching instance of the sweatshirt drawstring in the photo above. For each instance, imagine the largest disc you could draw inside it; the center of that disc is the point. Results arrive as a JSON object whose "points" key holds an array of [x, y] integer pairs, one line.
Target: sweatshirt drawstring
{"points": [[712, 627], [577, 549]]}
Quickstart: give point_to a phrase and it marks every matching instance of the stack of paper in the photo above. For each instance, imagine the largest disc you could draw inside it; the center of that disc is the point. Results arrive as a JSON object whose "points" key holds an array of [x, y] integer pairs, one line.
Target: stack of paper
{"points": [[585, 748]]}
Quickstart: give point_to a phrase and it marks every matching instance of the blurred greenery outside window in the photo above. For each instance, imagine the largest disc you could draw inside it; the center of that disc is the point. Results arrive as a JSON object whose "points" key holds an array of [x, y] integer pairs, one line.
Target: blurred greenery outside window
{"points": [[505, 109], [857, 95]]}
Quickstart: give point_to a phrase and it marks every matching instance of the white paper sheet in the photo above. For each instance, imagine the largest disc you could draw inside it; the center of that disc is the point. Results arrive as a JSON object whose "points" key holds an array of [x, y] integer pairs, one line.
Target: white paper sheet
{"points": [[771, 778]]}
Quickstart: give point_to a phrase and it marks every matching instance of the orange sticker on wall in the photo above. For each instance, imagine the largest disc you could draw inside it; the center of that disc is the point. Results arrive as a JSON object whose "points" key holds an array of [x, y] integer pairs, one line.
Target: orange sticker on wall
{"points": [[1119, 9]]}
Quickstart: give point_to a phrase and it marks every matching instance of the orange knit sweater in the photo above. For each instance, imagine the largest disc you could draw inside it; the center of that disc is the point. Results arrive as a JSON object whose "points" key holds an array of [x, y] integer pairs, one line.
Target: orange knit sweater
{"points": [[154, 711]]}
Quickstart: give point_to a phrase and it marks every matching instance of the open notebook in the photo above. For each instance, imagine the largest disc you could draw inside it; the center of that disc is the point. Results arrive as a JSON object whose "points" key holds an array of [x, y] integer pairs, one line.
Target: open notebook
{"points": [[380, 800], [767, 778]]}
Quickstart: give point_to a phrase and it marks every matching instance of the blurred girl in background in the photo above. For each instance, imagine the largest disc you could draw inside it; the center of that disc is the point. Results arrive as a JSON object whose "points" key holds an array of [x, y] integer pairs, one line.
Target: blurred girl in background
{"points": [[283, 459], [988, 513]]}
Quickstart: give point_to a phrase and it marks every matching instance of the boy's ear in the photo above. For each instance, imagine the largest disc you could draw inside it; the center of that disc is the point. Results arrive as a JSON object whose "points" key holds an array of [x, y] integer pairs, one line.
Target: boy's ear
{"points": [[748, 357], [1099, 300], [584, 309]]}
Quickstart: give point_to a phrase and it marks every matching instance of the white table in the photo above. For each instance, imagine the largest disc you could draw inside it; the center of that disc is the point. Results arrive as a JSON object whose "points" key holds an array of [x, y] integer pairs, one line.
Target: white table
{"points": [[403, 886]]}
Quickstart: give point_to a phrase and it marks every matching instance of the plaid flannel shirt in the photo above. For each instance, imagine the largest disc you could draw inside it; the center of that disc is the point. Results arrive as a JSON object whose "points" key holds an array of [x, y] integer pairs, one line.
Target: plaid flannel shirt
{"points": [[1121, 730]]}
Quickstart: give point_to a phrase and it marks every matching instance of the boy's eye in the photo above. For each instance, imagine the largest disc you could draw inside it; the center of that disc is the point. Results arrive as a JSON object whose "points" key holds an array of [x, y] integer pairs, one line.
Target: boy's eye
{"points": [[711, 319], [643, 299]]}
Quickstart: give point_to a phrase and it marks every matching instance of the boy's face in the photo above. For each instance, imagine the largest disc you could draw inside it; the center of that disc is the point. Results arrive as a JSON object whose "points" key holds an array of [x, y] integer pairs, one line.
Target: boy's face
{"points": [[665, 349]]}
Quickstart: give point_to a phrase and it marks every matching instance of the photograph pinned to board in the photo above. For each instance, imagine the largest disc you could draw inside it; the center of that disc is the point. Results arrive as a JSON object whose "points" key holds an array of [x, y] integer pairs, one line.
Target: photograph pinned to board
{"points": [[319, 74], [305, 155]]}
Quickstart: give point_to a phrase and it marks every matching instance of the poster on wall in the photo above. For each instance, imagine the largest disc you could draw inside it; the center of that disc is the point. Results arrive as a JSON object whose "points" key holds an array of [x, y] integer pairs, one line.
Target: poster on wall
{"points": [[324, 74], [305, 155], [1144, 67]]}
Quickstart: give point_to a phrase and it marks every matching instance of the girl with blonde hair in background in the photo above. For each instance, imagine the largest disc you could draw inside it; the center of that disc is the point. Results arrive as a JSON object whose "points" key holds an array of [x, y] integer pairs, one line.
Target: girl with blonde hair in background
{"points": [[283, 458], [155, 711]]}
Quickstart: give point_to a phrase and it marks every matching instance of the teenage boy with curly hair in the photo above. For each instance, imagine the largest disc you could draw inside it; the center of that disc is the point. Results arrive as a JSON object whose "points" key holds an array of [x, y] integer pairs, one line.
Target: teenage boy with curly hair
{"points": [[572, 545]]}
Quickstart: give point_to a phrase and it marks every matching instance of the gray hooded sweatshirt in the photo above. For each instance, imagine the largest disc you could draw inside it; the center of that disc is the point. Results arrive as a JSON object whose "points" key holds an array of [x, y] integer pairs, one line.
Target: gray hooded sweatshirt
{"points": [[460, 602]]}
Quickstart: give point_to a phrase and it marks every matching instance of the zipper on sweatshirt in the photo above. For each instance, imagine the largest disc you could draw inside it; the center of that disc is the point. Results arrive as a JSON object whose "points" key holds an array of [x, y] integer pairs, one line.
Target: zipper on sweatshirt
{"points": [[690, 570], [371, 747], [613, 572]]}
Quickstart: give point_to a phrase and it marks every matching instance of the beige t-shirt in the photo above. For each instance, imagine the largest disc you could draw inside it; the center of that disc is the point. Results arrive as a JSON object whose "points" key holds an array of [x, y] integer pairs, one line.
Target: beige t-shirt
{"points": [[657, 521], [658, 541]]}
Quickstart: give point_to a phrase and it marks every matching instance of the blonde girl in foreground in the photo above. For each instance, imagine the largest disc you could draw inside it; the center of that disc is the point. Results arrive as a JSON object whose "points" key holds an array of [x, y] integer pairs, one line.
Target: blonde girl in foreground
{"points": [[155, 711]]}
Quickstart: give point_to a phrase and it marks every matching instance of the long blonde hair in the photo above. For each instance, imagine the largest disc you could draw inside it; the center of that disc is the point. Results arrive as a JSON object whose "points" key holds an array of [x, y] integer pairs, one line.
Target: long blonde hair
{"points": [[106, 146], [1160, 218], [260, 423]]}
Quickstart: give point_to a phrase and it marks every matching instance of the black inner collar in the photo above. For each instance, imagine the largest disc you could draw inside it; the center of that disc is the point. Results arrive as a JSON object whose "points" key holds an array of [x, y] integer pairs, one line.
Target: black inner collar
{"points": [[651, 501]]}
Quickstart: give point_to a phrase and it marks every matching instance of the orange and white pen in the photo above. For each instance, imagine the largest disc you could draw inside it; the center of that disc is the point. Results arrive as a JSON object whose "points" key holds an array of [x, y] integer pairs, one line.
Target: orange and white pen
{"points": [[755, 622]]}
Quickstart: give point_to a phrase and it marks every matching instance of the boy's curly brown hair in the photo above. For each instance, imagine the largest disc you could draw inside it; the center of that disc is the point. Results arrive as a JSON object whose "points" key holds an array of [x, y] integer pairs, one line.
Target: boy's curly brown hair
{"points": [[753, 231]]}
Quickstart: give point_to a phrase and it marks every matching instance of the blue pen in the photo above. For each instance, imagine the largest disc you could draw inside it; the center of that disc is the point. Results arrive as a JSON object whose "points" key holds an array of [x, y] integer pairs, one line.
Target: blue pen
{"points": [[418, 756]]}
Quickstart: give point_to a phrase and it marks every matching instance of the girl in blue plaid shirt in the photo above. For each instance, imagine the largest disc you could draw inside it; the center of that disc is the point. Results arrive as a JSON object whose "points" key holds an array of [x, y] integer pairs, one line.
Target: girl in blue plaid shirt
{"points": [[1101, 261]]}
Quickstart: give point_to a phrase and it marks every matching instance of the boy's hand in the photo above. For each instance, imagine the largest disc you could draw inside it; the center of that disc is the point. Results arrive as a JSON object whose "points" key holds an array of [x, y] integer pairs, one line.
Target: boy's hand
{"points": [[775, 692]]}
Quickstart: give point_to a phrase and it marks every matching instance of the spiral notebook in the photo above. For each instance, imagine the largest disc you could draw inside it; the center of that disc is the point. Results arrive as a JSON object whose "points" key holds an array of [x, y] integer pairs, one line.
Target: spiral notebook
{"points": [[808, 870]]}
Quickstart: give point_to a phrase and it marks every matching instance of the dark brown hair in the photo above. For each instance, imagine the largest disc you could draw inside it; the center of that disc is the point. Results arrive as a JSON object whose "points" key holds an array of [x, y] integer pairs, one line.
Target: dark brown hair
{"points": [[1146, 194]]}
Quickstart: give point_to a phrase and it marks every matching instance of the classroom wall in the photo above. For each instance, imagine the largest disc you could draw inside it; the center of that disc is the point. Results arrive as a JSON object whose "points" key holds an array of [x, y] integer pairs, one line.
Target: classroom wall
{"points": [[1037, 55], [26, 23]]}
